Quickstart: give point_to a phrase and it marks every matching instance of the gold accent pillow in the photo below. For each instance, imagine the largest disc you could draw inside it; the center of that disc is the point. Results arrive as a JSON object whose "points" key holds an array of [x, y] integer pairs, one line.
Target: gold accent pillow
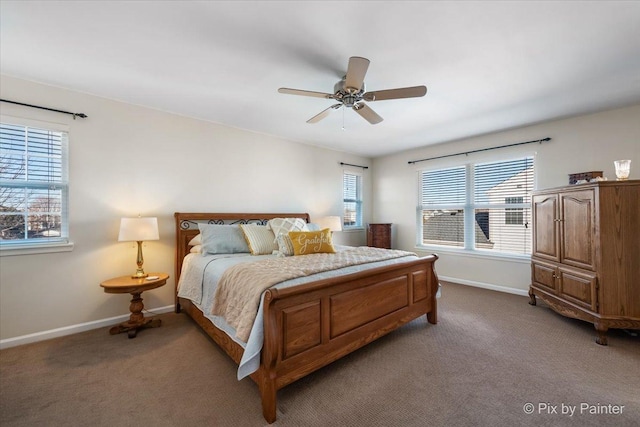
{"points": [[312, 242]]}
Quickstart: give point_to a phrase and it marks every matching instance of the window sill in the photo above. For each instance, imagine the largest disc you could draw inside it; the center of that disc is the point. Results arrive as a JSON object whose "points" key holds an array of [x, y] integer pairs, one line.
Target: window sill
{"points": [[36, 249], [525, 259]]}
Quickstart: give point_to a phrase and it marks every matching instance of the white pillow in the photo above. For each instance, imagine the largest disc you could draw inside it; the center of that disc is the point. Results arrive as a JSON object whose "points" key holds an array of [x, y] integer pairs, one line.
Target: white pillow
{"points": [[259, 238], [285, 225], [197, 249], [312, 227], [285, 246], [196, 240]]}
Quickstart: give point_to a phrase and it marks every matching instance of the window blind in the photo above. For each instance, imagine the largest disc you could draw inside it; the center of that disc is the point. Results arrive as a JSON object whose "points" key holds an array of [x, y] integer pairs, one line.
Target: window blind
{"points": [[33, 185], [352, 200], [484, 206]]}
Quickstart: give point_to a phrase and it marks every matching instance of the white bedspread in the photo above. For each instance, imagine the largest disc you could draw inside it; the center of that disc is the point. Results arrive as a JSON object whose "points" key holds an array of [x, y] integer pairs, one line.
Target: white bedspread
{"points": [[200, 275]]}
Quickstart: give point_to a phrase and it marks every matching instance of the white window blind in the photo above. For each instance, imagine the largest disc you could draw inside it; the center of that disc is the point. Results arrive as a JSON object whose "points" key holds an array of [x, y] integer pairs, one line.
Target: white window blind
{"points": [[483, 206], [443, 199], [352, 199], [33, 185]]}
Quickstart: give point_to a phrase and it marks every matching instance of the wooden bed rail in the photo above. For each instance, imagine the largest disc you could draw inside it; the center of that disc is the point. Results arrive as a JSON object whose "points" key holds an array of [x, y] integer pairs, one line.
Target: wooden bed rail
{"points": [[301, 289]]}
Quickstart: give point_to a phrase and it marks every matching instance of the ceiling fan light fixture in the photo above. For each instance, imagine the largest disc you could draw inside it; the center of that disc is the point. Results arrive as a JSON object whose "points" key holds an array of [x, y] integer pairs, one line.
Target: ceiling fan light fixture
{"points": [[350, 100], [341, 87]]}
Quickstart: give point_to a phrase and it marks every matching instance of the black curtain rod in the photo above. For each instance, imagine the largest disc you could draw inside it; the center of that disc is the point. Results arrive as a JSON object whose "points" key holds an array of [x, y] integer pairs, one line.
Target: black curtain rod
{"points": [[81, 115], [357, 166], [481, 149]]}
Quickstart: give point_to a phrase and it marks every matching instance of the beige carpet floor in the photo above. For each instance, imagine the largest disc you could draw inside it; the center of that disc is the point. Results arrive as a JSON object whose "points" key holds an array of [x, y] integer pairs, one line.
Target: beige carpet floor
{"points": [[490, 355]]}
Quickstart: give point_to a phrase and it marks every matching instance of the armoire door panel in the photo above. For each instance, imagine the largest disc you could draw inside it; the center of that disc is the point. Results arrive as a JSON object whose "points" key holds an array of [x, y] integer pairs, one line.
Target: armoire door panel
{"points": [[577, 229], [545, 239]]}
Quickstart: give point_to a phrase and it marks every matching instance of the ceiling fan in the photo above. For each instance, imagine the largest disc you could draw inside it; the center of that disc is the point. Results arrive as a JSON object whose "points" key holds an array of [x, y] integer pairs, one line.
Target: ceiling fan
{"points": [[350, 92]]}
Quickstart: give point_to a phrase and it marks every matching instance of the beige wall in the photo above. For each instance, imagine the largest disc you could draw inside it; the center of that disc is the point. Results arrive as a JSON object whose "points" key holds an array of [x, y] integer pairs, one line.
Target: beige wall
{"points": [[579, 144], [127, 160]]}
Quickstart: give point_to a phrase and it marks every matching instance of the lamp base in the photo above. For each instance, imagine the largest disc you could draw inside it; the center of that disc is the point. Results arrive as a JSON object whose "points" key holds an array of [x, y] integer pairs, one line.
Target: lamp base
{"points": [[139, 274]]}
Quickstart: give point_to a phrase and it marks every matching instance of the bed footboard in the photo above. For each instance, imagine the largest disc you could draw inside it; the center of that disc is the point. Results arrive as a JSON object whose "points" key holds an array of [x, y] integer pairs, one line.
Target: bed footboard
{"points": [[310, 326]]}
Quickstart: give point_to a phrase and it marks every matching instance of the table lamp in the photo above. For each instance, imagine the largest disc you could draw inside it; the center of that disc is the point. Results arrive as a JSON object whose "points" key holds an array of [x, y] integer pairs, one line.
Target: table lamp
{"points": [[333, 223], [138, 230]]}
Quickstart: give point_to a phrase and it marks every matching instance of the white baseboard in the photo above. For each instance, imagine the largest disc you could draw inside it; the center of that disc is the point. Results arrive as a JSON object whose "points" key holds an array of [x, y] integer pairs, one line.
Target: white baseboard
{"points": [[522, 292], [74, 329]]}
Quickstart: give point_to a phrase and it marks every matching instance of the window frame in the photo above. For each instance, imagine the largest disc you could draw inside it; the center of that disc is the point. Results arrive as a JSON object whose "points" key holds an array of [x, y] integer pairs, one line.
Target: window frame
{"points": [[470, 207], [359, 223], [62, 243]]}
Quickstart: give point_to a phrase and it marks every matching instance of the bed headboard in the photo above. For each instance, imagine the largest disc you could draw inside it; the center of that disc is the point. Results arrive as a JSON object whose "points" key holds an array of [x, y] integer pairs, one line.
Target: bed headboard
{"points": [[187, 228]]}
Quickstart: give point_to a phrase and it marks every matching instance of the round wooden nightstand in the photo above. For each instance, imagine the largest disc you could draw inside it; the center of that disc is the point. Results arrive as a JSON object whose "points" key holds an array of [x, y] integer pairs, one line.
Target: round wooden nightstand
{"points": [[135, 287]]}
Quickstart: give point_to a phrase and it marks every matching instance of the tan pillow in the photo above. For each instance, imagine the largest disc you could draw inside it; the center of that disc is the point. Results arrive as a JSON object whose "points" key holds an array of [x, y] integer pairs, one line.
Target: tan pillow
{"points": [[312, 242], [196, 240], [259, 238]]}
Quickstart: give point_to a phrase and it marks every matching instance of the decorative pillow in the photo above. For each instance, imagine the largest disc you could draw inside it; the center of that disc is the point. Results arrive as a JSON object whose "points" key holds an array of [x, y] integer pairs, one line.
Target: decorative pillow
{"points": [[285, 246], [284, 225], [222, 239], [197, 249], [196, 240], [312, 227], [312, 242], [259, 238]]}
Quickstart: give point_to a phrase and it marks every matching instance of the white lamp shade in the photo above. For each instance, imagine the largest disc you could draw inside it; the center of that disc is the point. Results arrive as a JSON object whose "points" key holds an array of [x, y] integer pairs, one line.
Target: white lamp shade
{"points": [[138, 229], [333, 223]]}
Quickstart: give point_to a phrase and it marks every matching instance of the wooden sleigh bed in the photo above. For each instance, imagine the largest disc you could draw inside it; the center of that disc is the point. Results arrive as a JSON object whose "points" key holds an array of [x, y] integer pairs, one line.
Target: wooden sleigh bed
{"points": [[311, 325]]}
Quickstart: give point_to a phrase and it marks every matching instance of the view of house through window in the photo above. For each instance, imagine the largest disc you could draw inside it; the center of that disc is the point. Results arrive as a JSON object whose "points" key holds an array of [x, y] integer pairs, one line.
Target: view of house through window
{"points": [[352, 196], [483, 206], [514, 216], [33, 185]]}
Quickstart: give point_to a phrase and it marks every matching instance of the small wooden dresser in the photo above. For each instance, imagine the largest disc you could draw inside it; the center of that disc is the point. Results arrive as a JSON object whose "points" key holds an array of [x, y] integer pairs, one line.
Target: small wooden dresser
{"points": [[379, 235]]}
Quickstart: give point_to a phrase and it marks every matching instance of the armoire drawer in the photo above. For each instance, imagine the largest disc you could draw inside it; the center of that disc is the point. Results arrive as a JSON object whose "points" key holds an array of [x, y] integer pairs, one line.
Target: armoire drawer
{"points": [[579, 287]]}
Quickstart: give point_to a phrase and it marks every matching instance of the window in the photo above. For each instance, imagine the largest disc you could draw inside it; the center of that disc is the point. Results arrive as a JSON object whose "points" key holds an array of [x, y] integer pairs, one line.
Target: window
{"points": [[352, 196], [33, 186], [514, 216], [482, 206]]}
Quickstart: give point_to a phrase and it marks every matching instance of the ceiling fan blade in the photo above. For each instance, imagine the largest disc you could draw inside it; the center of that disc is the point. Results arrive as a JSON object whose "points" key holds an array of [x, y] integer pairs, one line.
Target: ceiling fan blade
{"points": [[367, 113], [323, 114], [355, 73], [289, 91], [405, 92]]}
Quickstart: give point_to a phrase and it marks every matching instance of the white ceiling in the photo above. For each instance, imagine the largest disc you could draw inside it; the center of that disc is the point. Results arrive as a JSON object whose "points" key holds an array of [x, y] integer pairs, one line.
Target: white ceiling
{"points": [[488, 66]]}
